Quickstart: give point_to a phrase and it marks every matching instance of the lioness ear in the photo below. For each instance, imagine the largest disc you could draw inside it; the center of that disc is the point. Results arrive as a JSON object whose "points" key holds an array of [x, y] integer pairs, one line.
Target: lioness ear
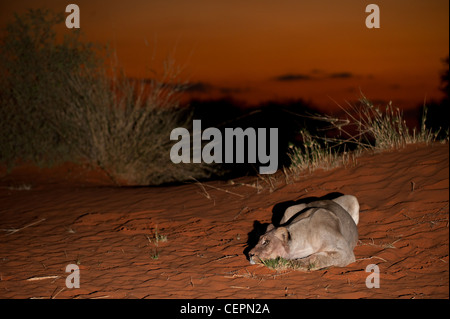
{"points": [[270, 227], [283, 234]]}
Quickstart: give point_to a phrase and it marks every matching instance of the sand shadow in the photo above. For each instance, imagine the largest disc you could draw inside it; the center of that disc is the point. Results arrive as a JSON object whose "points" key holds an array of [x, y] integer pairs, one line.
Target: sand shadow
{"points": [[277, 214]]}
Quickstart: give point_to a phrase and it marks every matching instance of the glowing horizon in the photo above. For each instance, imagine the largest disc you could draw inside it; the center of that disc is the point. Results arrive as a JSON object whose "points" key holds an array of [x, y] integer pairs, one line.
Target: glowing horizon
{"points": [[261, 50]]}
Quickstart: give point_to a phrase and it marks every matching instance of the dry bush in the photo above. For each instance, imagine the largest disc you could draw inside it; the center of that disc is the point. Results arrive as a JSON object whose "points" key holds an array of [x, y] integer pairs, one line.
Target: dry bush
{"points": [[58, 102], [124, 126], [365, 127]]}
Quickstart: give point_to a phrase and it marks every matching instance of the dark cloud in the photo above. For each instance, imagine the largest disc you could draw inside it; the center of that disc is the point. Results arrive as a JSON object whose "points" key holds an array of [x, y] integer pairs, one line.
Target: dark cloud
{"points": [[199, 87], [341, 75], [315, 74], [207, 88], [292, 77]]}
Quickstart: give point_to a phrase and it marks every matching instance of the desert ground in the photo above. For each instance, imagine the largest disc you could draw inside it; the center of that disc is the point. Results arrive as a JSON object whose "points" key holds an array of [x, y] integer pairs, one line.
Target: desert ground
{"points": [[189, 241]]}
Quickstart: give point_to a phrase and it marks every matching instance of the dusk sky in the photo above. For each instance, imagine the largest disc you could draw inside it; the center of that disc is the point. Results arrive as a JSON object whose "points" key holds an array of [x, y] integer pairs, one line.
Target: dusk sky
{"points": [[258, 50]]}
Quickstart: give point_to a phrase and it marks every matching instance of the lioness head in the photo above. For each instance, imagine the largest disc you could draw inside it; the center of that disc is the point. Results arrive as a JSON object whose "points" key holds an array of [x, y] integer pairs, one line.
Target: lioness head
{"points": [[273, 244]]}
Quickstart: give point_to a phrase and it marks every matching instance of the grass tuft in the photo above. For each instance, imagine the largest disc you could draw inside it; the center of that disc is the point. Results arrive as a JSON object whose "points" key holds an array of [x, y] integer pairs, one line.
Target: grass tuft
{"points": [[365, 127], [280, 263], [156, 238]]}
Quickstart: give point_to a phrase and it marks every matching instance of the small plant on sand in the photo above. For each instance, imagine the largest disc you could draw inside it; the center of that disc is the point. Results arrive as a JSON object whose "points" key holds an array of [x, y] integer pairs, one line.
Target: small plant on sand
{"points": [[156, 238], [280, 263], [155, 255], [277, 263]]}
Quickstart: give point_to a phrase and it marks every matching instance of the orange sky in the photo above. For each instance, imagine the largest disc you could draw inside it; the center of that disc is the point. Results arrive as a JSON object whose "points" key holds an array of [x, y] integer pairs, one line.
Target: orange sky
{"points": [[245, 48]]}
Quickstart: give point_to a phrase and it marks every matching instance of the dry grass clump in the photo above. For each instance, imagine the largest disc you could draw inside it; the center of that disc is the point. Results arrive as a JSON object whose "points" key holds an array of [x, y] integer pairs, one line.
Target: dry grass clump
{"points": [[123, 126], [156, 238], [365, 127]]}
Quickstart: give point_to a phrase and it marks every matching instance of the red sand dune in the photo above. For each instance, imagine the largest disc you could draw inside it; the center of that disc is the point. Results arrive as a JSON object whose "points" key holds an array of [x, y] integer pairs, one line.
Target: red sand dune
{"points": [[71, 216]]}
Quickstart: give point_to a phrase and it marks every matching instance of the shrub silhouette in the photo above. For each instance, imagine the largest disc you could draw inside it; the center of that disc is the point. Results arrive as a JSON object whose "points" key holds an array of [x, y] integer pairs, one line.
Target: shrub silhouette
{"points": [[33, 72], [59, 102]]}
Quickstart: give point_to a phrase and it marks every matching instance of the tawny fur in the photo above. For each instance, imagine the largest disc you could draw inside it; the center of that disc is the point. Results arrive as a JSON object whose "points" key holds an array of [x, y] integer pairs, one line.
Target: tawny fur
{"points": [[316, 235]]}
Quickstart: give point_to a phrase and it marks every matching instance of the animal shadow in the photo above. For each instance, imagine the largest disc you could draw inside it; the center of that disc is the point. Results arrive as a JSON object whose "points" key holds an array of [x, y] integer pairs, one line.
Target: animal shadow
{"points": [[253, 236], [278, 210]]}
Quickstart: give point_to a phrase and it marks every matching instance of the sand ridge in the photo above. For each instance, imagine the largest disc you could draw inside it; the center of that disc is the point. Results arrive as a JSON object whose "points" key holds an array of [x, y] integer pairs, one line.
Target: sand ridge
{"points": [[109, 232]]}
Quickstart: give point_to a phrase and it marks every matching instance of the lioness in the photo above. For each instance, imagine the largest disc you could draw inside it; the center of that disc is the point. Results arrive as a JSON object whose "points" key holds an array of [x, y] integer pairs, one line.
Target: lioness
{"points": [[316, 235]]}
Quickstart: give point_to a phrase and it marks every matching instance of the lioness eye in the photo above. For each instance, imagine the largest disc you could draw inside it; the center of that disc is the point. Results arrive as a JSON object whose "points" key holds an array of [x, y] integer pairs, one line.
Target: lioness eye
{"points": [[265, 242]]}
